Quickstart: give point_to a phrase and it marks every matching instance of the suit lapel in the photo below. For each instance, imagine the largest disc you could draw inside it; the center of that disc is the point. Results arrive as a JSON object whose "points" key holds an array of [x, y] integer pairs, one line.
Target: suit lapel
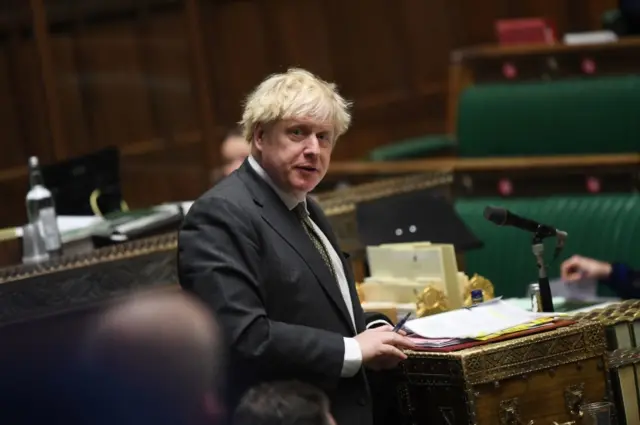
{"points": [[287, 225], [320, 219]]}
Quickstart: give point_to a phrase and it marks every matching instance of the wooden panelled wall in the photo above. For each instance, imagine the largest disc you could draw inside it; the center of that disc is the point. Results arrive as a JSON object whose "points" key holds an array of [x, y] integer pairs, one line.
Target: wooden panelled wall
{"points": [[162, 79]]}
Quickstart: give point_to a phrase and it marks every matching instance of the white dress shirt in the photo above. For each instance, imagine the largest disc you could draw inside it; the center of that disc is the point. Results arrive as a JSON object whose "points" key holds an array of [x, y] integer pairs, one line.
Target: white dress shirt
{"points": [[352, 352]]}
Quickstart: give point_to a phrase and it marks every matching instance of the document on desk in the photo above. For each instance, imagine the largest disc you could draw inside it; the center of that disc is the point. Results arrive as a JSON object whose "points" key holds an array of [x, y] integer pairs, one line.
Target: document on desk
{"points": [[476, 322]]}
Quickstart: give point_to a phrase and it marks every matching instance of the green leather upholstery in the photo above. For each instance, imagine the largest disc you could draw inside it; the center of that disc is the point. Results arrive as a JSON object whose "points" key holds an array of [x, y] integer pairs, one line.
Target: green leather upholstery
{"points": [[418, 147], [577, 116], [605, 227]]}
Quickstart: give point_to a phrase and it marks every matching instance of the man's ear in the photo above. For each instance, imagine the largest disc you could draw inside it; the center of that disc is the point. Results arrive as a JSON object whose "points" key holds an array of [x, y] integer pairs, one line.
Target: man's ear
{"points": [[258, 136]]}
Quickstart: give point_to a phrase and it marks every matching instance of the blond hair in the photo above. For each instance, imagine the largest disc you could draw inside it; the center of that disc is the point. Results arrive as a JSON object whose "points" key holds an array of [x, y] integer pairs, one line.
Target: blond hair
{"points": [[296, 93]]}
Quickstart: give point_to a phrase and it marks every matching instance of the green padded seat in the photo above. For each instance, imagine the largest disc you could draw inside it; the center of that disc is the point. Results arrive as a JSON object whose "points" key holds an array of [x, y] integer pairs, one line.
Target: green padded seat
{"points": [[605, 227], [414, 148], [577, 116]]}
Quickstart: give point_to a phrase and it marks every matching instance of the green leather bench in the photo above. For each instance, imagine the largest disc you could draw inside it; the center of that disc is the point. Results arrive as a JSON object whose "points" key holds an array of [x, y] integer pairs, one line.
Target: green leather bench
{"points": [[572, 116], [575, 116], [416, 147], [605, 227]]}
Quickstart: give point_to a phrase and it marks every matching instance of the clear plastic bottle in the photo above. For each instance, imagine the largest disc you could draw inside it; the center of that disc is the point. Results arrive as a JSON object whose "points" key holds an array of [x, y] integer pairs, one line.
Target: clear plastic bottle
{"points": [[536, 298], [41, 210]]}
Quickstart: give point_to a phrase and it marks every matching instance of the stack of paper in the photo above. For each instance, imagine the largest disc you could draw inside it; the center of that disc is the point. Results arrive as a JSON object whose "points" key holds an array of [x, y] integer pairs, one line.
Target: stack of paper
{"points": [[435, 343], [481, 322]]}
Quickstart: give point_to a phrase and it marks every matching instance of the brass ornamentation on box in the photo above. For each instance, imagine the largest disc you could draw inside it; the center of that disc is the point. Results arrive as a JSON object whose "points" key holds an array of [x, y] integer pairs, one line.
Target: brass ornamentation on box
{"points": [[622, 327], [431, 300], [537, 379]]}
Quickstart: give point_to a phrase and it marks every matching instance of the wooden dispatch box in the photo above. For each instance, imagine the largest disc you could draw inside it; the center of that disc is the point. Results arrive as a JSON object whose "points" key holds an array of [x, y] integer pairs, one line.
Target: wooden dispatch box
{"points": [[542, 378]]}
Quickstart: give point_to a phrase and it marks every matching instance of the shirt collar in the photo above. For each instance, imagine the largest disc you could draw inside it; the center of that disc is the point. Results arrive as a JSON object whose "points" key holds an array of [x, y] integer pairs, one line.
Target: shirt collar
{"points": [[289, 200]]}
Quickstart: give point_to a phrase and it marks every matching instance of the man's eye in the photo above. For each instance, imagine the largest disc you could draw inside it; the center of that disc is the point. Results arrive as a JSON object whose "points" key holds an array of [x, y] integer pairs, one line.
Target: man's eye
{"points": [[296, 132]]}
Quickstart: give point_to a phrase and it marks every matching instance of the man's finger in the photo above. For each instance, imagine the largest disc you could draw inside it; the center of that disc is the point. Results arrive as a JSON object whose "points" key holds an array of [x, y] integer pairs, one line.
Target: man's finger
{"points": [[389, 328], [390, 350], [383, 328], [572, 277], [569, 265], [397, 340]]}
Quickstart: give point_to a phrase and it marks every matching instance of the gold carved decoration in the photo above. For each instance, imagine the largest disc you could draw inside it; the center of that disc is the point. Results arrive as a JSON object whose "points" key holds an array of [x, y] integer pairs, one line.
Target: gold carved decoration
{"points": [[521, 356], [478, 282], [614, 313], [431, 301]]}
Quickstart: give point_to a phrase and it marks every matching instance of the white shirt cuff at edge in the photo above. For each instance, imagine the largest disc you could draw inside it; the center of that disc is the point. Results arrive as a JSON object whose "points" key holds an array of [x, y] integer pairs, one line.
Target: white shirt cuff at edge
{"points": [[352, 358]]}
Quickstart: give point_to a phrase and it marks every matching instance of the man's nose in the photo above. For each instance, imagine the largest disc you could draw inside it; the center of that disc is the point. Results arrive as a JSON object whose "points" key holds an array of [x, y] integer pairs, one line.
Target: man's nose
{"points": [[312, 146]]}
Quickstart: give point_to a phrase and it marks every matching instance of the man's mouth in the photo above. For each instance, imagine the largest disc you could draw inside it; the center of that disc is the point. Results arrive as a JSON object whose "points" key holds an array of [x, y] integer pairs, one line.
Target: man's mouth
{"points": [[308, 168]]}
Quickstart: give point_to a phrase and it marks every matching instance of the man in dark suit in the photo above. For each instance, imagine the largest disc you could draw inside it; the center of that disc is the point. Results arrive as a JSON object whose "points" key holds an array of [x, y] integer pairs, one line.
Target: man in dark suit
{"points": [[262, 254]]}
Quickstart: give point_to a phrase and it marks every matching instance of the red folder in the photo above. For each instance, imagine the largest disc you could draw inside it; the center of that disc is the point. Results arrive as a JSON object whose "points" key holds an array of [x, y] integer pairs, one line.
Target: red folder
{"points": [[537, 329], [526, 31]]}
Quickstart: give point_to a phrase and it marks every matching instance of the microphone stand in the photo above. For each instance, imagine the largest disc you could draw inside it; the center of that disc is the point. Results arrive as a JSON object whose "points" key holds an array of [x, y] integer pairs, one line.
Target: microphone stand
{"points": [[537, 246]]}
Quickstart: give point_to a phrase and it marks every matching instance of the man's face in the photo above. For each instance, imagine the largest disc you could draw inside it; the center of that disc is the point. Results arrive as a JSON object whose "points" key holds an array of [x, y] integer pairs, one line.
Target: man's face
{"points": [[296, 153]]}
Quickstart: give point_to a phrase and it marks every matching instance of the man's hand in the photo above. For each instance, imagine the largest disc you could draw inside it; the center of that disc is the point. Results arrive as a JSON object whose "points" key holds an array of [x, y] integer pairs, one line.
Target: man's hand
{"points": [[381, 347], [577, 268]]}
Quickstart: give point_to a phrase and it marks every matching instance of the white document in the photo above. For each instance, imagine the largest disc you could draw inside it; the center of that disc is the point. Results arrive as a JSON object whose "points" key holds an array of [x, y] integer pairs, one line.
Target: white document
{"points": [[583, 290], [418, 262], [483, 319], [71, 223]]}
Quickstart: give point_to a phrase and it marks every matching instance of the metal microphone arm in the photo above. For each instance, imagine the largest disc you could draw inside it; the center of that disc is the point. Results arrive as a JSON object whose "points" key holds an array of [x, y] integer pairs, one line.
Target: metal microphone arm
{"points": [[561, 237], [537, 246]]}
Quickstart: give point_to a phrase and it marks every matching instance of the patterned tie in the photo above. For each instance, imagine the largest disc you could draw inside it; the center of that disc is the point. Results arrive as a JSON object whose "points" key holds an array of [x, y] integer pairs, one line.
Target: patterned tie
{"points": [[307, 225]]}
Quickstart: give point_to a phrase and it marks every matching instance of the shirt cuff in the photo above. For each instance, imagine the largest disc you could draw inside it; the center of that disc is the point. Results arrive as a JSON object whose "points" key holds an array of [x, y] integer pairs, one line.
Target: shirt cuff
{"points": [[352, 358], [378, 323]]}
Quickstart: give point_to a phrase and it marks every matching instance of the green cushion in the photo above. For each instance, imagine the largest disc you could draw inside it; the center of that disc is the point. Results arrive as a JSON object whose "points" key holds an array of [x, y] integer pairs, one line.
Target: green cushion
{"points": [[418, 147], [577, 116], [605, 227]]}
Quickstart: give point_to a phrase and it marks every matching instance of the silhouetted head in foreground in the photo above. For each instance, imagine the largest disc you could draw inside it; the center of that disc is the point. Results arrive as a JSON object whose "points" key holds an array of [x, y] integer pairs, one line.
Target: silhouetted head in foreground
{"points": [[283, 403], [153, 359]]}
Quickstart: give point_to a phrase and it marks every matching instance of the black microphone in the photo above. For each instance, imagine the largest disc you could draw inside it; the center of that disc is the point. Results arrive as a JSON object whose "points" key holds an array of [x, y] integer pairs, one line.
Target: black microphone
{"points": [[504, 217]]}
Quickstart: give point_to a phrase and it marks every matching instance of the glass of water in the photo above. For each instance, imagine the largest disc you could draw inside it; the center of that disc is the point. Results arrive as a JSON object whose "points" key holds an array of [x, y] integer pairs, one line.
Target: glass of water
{"points": [[596, 413]]}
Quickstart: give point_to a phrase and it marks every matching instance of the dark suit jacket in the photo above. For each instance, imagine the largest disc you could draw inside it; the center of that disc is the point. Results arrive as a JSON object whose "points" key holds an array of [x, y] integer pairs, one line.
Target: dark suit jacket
{"points": [[248, 257], [624, 281]]}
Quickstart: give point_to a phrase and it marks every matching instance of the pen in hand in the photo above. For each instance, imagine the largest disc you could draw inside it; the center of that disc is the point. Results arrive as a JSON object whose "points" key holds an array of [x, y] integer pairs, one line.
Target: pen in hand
{"points": [[401, 323]]}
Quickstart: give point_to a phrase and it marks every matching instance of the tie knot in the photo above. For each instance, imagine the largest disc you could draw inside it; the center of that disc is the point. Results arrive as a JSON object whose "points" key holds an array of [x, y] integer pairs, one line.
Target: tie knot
{"points": [[301, 211]]}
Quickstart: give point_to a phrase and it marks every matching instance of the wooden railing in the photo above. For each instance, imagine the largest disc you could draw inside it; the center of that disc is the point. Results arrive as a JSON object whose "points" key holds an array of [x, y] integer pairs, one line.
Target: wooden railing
{"points": [[350, 168], [521, 176]]}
